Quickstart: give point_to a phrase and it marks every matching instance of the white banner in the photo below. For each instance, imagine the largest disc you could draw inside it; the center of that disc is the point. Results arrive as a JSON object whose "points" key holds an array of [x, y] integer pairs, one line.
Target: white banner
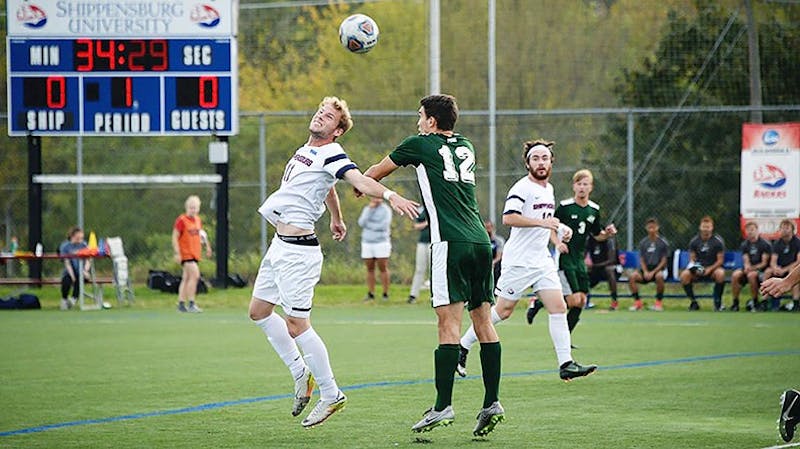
{"points": [[770, 177], [132, 18]]}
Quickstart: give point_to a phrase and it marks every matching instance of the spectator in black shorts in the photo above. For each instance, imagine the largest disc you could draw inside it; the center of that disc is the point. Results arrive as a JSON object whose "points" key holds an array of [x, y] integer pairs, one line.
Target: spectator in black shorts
{"points": [[653, 253], [785, 257], [602, 265], [706, 254], [755, 258]]}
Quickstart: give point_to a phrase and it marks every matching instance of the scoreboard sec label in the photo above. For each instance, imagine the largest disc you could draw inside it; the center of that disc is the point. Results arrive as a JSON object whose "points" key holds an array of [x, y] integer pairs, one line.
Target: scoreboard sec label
{"points": [[62, 82]]}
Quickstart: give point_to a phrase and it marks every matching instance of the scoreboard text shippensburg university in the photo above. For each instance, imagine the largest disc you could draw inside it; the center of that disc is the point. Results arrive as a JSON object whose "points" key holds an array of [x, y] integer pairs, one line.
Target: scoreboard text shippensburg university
{"points": [[125, 67]]}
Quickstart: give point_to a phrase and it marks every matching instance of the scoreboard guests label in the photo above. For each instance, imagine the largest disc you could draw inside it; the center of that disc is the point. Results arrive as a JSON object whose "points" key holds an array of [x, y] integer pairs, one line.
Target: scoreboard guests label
{"points": [[125, 68]]}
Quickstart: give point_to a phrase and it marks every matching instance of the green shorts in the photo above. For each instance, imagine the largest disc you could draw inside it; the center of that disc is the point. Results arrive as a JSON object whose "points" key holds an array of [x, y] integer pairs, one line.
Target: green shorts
{"points": [[461, 272], [574, 280]]}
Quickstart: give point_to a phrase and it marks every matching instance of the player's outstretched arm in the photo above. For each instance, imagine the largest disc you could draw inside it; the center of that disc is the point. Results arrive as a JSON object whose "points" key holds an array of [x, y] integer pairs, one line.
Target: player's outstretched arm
{"points": [[777, 286], [371, 187]]}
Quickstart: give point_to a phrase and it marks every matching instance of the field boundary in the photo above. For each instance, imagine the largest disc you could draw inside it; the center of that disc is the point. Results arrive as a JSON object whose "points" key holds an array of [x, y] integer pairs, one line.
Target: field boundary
{"points": [[221, 404]]}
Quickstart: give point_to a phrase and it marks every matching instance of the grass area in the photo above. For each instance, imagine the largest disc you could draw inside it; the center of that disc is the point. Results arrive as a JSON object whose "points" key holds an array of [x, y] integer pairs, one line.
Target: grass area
{"points": [[146, 376]]}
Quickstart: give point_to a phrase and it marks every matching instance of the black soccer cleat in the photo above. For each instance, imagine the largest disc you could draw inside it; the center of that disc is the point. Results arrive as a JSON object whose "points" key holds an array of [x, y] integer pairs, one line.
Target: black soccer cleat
{"points": [[571, 370], [694, 306], [461, 368], [533, 310], [790, 414]]}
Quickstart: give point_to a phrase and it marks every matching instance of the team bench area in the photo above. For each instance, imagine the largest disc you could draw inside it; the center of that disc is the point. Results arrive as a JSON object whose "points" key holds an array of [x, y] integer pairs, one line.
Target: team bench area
{"points": [[676, 263]]}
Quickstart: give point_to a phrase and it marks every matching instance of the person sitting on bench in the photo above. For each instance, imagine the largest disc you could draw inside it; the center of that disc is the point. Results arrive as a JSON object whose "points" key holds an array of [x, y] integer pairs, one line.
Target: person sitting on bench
{"points": [[706, 255]]}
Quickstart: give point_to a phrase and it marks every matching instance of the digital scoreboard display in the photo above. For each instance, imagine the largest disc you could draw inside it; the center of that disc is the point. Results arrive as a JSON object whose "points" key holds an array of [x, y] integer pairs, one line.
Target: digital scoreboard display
{"points": [[123, 85]]}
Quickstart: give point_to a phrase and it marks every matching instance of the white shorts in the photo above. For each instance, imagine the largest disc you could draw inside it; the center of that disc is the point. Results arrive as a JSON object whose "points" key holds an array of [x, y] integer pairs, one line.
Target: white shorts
{"points": [[288, 275], [376, 250], [566, 290], [514, 280]]}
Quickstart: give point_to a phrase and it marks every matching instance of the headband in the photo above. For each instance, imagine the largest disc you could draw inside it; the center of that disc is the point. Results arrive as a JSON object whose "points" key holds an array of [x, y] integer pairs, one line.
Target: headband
{"points": [[536, 147]]}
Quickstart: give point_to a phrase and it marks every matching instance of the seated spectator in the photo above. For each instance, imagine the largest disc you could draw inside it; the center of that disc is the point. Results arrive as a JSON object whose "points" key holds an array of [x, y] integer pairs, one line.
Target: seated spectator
{"points": [[755, 257], [602, 264], [706, 255], [785, 257], [653, 253], [72, 266]]}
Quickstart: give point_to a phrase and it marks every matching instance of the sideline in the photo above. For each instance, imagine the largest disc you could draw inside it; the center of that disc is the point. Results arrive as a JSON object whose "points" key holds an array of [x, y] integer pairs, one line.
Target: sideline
{"points": [[216, 405]]}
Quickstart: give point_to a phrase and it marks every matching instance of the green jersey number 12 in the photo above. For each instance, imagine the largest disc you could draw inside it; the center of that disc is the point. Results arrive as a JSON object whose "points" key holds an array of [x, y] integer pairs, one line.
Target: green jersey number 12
{"points": [[465, 167]]}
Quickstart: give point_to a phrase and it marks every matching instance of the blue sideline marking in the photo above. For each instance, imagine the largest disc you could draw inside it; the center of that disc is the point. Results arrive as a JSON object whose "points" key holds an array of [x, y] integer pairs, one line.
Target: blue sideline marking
{"points": [[216, 405]]}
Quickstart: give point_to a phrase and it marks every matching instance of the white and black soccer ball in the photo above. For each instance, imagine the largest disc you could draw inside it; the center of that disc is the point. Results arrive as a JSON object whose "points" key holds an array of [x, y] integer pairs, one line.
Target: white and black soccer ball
{"points": [[358, 33], [696, 268]]}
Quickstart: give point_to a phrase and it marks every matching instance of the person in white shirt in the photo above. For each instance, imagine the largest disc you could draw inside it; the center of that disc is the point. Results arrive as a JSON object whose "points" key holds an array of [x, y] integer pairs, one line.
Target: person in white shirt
{"points": [[293, 263], [527, 261]]}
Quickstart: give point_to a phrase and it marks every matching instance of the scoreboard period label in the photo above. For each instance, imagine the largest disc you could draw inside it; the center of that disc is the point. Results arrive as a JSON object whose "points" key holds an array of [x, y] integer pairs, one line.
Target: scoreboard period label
{"points": [[124, 68]]}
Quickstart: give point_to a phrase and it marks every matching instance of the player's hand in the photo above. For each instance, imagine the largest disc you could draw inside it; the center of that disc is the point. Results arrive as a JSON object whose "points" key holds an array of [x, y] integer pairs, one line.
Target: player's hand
{"points": [[562, 248], [338, 230], [551, 223], [403, 206], [565, 232], [177, 258], [611, 229], [773, 287]]}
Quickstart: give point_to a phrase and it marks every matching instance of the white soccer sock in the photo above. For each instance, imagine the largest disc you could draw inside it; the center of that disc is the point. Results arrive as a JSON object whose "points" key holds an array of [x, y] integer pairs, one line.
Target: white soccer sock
{"points": [[559, 333], [316, 357], [274, 326], [470, 337]]}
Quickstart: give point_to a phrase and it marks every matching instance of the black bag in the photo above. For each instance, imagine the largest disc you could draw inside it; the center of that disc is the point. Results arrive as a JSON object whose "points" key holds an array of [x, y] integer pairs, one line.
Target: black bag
{"points": [[155, 279], [28, 301], [235, 280]]}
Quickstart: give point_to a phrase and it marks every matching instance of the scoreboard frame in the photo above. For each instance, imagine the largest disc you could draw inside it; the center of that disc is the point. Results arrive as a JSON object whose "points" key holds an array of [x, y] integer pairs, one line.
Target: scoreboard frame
{"points": [[182, 81]]}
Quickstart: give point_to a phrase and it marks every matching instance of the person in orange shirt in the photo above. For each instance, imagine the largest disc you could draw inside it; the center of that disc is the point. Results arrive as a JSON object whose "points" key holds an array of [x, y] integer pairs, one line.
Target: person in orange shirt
{"points": [[188, 239]]}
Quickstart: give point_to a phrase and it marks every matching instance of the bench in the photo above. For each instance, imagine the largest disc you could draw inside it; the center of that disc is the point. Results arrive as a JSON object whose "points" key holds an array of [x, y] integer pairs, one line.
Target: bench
{"points": [[47, 281], [675, 264]]}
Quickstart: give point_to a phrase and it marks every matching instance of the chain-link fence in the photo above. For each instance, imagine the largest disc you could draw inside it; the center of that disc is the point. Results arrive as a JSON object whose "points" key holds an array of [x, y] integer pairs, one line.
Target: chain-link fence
{"points": [[663, 66]]}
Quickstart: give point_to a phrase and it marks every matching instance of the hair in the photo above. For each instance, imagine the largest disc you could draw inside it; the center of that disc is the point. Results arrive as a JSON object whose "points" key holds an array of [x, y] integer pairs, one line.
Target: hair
{"points": [[443, 108], [651, 220], [527, 145], [192, 199], [581, 174], [346, 120], [786, 221], [751, 223], [707, 219], [73, 230]]}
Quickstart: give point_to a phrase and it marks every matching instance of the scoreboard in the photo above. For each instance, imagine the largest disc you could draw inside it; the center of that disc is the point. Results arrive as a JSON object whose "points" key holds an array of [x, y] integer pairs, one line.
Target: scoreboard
{"points": [[181, 80]]}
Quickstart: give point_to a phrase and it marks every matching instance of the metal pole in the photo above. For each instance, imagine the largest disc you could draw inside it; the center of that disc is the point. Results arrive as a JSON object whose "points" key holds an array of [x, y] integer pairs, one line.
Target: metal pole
{"points": [[492, 114], [754, 62], [629, 190], [34, 203], [222, 222], [262, 175], [79, 185], [434, 48]]}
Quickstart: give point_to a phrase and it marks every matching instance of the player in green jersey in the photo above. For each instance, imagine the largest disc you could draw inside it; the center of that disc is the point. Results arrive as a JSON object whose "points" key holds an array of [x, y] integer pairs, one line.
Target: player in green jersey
{"points": [[461, 254], [582, 216]]}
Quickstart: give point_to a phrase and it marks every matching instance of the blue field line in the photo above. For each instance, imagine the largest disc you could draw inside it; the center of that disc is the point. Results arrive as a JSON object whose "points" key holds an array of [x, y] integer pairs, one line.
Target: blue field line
{"points": [[216, 405]]}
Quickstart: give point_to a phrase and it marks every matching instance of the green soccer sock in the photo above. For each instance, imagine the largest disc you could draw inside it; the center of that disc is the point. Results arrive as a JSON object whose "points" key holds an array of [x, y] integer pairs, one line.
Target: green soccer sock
{"points": [[573, 316], [445, 359], [490, 364]]}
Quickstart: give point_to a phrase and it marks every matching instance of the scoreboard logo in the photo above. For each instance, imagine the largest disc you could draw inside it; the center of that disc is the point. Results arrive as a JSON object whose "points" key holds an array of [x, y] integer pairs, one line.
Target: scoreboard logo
{"points": [[31, 15], [205, 16]]}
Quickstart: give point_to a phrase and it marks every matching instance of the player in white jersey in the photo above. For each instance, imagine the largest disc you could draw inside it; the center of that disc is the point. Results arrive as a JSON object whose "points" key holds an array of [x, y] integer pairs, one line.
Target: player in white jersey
{"points": [[526, 258], [293, 263]]}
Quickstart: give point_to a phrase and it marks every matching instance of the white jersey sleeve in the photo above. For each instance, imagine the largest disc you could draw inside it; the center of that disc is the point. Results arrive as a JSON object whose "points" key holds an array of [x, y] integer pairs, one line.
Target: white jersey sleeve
{"points": [[527, 246], [307, 178]]}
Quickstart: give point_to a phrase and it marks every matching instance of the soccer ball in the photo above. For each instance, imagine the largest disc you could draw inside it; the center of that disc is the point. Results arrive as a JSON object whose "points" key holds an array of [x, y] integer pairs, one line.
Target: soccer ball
{"points": [[358, 33]]}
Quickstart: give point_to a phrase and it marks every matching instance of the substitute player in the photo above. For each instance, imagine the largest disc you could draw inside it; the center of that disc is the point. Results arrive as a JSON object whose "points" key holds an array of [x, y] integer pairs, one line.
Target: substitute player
{"points": [[293, 263], [527, 262], [582, 215]]}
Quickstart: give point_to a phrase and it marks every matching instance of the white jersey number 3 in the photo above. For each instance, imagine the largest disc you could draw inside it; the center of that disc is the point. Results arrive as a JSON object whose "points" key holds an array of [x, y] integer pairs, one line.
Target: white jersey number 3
{"points": [[465, 167]]}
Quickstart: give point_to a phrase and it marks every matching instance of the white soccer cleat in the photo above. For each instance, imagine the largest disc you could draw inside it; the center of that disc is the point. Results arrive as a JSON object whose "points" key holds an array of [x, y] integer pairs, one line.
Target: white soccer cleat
{"points": [[433, 419], [303, 388], [324, 409]]}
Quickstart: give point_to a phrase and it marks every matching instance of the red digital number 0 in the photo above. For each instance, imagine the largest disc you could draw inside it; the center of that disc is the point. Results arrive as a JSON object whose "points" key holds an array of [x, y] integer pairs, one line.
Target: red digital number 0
{"points": [[208, 92], [56, 92]]}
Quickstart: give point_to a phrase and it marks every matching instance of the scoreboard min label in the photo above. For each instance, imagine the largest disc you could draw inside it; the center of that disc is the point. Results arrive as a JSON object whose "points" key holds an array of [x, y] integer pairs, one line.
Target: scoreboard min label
{"points": [[182, 82]]}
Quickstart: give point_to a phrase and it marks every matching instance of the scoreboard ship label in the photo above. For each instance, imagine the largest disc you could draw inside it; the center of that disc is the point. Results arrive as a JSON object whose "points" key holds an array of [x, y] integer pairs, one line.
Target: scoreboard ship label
{"points": [[124, 86]]}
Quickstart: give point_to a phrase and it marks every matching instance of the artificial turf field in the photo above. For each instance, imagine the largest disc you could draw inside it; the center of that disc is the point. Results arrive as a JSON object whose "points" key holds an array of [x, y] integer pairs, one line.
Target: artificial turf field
{"points": [[146, 376]]}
